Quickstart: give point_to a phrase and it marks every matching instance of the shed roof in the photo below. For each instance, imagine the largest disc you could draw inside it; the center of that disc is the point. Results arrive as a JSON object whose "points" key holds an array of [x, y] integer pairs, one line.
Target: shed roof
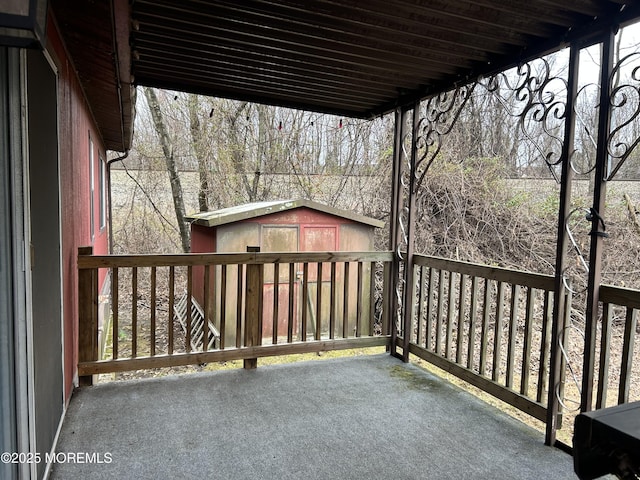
{"points": [[259, 209]]}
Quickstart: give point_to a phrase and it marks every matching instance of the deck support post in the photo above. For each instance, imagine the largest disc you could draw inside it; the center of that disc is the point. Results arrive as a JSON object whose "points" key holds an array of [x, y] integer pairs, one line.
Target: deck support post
{"points": [[87, 316], [409, 277], [253, 308], [597, 223], [402, 230], [559, 295], [395, 234]]}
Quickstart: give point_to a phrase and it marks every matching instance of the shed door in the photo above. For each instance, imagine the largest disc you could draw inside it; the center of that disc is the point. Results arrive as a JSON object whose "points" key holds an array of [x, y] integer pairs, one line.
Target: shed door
{"points": [[279, 238], [319, 238]]}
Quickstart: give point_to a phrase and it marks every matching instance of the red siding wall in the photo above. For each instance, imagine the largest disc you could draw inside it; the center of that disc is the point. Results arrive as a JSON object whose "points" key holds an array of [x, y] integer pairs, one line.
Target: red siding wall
{"points": [[75, 126], [302, 216], [203, 240]]}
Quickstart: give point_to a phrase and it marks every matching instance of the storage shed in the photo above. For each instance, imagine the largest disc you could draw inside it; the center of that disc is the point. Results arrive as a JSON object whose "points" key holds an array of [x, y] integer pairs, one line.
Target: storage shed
{"points": [[282, 226]]}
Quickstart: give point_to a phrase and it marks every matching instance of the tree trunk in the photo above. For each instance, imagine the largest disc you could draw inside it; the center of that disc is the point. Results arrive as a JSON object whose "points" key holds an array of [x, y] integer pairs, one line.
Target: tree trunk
{"points": [[238, 148], [198, 150], [167, 149]]}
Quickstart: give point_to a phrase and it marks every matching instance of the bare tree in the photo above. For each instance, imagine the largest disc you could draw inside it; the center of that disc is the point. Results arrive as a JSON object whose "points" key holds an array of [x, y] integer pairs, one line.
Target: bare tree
{"points": [[174, 178], [199, 151]]}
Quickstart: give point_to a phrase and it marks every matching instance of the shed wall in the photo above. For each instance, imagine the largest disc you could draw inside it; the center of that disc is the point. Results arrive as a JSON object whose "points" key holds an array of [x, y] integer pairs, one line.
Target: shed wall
{"points": [[301, 229]]}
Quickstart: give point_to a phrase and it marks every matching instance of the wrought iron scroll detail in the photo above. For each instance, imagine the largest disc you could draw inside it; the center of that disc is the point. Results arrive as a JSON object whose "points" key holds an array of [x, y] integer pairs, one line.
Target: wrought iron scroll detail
{"points": [[538, 100], [585, 111], [624, 103], [402, 221], [441, 114], [403, 213]]}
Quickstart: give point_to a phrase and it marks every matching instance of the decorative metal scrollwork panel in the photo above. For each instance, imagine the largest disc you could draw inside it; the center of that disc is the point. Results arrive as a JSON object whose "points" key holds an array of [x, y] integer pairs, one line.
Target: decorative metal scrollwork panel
{"points": [[585, 111], [537, 96], [624, 102], [439, 116], [533, 95]]}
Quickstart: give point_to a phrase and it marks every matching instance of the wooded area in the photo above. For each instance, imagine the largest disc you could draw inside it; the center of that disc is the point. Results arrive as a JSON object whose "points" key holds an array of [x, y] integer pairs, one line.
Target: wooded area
{"points": [[245, 152]]}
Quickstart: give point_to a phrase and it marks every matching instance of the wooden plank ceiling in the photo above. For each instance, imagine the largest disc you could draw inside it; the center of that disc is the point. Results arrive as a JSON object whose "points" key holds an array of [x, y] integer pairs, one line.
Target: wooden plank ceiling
{"points": [[353, 58], [356, 58]]}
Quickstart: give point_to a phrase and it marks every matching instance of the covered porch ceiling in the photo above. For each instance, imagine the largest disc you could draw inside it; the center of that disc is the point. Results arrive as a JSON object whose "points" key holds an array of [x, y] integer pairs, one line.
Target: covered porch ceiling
{"points": [[357, 59]]}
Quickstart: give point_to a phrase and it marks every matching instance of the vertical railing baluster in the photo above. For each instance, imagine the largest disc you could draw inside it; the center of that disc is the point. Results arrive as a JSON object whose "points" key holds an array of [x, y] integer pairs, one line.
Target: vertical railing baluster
{"points": [[305, 301], [189, 312], [473, 318], [115, 309], [440, 314], [419, 313], [428, 342], [543, 377], [345, 303], [462, 305], [206, 306], [450, 314], [387, 292], [318, 301], [223, 305], [372, 296], [513, 324], [605, 351], [152, 333], [172, 302], [134, 312], [484, 335], [526, 347], [359, 301], [333, 301], [291, 313], [239, 300], [276, 302], [497, 336], [630, 326]]}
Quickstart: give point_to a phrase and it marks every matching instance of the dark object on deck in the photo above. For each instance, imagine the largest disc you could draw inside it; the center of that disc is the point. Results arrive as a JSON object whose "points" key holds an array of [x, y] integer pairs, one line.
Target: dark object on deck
{"points": [[608, 441]]}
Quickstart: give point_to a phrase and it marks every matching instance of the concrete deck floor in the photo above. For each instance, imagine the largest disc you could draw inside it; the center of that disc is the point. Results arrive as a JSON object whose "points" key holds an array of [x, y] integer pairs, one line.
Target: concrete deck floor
{"points": [[365, 418]]}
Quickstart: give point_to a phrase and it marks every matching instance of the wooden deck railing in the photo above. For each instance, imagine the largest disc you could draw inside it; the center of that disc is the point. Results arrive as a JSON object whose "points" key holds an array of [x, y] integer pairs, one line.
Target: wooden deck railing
{"points": [[489, 326], [254, 305], [616, 370]]}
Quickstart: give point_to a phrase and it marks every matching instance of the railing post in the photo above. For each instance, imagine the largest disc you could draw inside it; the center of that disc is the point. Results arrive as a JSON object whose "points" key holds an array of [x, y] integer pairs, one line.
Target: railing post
{"points": [[409, 285], [253, 307], [387, 293], [556, 364], [597, 223], [87, 315], [395, 302]]}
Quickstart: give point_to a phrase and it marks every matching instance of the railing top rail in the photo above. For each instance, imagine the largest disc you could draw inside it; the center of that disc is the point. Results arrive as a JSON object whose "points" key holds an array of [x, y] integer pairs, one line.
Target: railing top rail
{"points": [[199, 259], [528, 279], [625, 297]]}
